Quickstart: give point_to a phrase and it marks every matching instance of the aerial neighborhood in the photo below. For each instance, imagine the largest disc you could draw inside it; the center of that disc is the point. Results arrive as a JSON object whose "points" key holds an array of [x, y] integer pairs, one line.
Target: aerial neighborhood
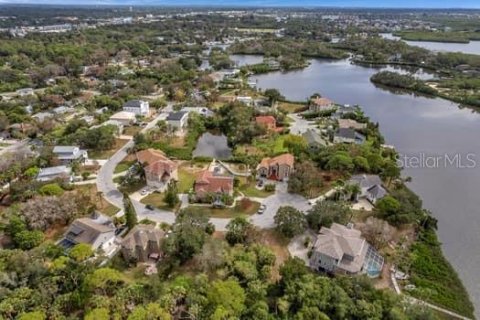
{"points": [[152, 173]]}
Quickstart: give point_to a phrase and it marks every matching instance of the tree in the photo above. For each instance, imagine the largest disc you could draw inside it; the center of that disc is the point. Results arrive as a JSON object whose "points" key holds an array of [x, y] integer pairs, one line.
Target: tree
{"points": [[130, 214], [27, 239], [188, 235], [152, 311], [171, 195], [98, 314], [273, 95], [305, 180], [238, 230], [295, 144], [290, 221], [34, 315], [226, 308], [81, 252], [324, 213], [387, 206]]}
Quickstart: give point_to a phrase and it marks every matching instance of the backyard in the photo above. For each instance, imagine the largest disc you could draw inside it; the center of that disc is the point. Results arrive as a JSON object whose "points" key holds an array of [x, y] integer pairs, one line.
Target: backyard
{"points": [[105, 154]]}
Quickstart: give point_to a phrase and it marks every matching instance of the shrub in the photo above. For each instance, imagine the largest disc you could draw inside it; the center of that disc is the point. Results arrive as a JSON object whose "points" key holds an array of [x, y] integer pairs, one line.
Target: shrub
{"points": [[51, 189], [270, 187]]}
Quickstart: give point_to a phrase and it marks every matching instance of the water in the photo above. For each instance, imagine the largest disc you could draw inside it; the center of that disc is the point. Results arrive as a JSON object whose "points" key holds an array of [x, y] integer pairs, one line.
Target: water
{"points": [[414, 125], [213, 146], [240, 60], [472, 47]]}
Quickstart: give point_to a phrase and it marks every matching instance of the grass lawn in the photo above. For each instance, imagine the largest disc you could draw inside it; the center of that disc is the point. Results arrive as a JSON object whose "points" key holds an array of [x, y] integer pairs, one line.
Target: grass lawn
{"points": [[249, 189], [290, 107], [186, 175], [105, 154], [239, 210], [132, 187], [123, 166], [157, 200], [132, 130], [271, 145], [101, 204]]}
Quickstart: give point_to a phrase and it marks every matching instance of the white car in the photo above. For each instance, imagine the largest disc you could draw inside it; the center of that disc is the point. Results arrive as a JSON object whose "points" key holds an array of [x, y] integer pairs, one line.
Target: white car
{"points": [[144, 192]]}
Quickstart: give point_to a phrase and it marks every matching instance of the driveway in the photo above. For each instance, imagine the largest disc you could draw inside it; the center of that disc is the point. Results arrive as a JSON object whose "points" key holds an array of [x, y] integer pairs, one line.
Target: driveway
{"points": [[300, 125], [105, 175]]}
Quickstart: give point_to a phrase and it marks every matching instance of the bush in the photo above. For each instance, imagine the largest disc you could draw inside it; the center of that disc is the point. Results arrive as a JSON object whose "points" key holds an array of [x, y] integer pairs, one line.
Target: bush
{"points": [[270, 187], [51, 189]]}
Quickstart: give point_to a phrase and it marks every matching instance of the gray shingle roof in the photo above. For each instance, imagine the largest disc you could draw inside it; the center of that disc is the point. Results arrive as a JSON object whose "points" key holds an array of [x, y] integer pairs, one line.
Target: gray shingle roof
{"points": [[176, 116]]}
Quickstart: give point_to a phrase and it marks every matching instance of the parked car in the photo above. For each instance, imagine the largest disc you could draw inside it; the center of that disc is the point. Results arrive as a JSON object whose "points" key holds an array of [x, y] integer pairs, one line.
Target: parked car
{"points": [[144, 192], [260, 183], [262, 209], [149, 207]]}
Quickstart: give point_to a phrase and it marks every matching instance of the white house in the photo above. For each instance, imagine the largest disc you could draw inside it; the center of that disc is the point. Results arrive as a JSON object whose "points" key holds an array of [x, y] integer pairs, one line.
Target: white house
{"points": [[67, 154], [58, 172], [178, 119], [138, 107]]}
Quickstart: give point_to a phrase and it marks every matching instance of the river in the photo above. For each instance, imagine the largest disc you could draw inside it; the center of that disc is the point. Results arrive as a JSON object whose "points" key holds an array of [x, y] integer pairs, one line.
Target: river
{"points": [[472, 47], [415, 125]]}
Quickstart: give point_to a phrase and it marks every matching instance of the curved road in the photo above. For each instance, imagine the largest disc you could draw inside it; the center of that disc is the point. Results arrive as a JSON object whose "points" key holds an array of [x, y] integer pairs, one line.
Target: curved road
{"points": [[111, 193]]}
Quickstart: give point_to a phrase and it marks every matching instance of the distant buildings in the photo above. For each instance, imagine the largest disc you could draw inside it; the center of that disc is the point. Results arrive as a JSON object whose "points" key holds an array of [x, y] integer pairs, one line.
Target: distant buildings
{"points": [[276, 168], [321, 104]]}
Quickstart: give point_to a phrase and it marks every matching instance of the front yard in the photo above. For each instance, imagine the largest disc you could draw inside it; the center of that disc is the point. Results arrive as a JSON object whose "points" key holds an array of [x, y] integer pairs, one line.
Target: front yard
{"points": [[105, 154], [249, 189], [157, 200], [242, 208], [186, 175]]}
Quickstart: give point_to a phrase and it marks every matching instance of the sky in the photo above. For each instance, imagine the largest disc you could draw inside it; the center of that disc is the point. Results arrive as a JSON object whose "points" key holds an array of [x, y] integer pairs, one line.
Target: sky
{"points": [[271, 3]]}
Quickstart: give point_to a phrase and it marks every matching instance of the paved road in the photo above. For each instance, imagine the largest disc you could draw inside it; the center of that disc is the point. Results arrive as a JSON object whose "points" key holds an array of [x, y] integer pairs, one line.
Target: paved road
{"points": [[105, 175], [300, 125]]}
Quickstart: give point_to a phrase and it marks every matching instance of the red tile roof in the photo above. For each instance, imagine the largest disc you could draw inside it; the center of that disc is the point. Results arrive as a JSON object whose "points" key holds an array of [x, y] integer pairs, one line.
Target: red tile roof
{"points": [[266, 120], [207, 182], [157, 163], [322, 102], [283, 159]]}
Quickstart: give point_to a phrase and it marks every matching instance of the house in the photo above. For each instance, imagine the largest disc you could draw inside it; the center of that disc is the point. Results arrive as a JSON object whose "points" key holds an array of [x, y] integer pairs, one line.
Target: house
{"points": [[97, 231], [321, 104], [268, 122], [159, 170], [142, 243], [138, 107], [342, 249], [52, 173], [371, 187], [42, 116], [277, 168], [124, 117], [344, 110], [67, 154], [25, 92], [205, 112], [208, 182], [245, 100], [314, 140], [348, 135], [177, 120], [349, 123], [62, 110]]}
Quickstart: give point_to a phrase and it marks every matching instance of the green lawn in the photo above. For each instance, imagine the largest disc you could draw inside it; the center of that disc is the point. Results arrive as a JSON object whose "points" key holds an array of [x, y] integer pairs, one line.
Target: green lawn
{"points": [[123, 166], [132, 130], [271, 145], [157, 200], [110, 210], [132, 187], [185, 180], [249, 189], [234, 212]]}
